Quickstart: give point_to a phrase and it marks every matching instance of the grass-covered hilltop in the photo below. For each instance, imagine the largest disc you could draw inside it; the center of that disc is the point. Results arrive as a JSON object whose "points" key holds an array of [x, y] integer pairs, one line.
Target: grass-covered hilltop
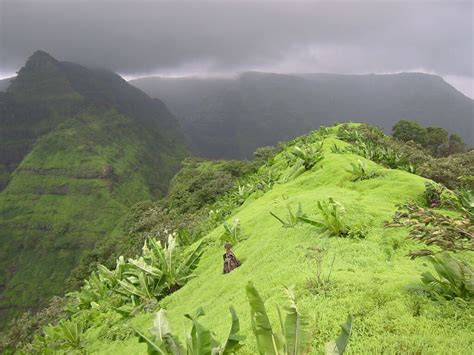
{"points": [[78, 148], [343, 226]]}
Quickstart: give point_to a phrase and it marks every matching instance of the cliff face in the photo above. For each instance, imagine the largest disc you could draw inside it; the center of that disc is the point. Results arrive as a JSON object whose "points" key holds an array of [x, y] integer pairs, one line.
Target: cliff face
{"points": [[78, 148]]}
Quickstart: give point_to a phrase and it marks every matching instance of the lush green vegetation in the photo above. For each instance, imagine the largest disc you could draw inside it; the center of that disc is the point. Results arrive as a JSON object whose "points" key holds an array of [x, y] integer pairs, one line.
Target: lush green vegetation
{"points": [[350, 257]]}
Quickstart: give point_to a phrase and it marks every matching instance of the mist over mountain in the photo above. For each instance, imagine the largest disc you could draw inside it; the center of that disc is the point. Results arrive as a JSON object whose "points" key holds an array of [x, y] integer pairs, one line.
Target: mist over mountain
{"points": [[231, 117], [78, 147]]}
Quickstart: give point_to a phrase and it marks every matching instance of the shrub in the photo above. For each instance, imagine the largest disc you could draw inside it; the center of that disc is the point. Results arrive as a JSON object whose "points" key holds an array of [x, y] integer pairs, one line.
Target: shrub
{"points": [[465, 201], [159, 271], [433, 194], [20, 331], [67, 335], [453, 171], [337, 149]]}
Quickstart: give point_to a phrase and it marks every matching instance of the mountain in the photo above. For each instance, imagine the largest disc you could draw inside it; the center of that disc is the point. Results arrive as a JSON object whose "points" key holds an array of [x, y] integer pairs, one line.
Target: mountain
{"points": [[78, 147], [230, 118], [361, 268]]}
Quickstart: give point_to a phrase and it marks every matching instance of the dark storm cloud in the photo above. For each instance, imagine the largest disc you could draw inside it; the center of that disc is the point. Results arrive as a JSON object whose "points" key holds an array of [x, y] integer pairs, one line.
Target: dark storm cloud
{"points": [[140, 37]]}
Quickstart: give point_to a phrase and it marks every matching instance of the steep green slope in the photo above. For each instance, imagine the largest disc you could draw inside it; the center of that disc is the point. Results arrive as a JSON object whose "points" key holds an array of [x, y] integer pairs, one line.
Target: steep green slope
{"points": [[231, 117], [73, 161], [369, 276]]}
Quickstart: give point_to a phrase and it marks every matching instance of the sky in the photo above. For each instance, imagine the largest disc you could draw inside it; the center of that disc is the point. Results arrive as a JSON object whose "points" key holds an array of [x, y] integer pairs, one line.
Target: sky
{"points": [[213, 38]]}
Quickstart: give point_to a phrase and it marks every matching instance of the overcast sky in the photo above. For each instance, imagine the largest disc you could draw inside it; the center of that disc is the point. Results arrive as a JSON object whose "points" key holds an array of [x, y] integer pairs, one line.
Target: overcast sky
{"points": [[139, 38]]}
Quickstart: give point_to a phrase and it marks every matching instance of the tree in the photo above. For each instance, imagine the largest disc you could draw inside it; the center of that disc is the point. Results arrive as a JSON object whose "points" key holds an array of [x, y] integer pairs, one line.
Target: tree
{"points": [[455, 144], [435, 138], [406, 130]]}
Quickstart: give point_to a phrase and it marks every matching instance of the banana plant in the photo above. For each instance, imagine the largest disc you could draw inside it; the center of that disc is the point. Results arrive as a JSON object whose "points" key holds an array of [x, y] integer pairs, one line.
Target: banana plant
{"points": [[307, 156], [233, 232], [67, 334], [294, 337], [160, 270], [338, 346], [199, 339], [99, 286], [455, 279], [360, 171], [330, 219], [292, 218]]}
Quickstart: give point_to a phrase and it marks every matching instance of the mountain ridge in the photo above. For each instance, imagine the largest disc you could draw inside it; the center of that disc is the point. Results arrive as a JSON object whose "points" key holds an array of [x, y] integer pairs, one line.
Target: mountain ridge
{"points": [[218, 113]]}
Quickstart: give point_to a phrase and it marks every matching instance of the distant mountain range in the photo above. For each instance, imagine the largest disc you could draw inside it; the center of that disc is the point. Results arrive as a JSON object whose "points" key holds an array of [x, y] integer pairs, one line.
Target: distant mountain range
{"points": [[78, 147], [230, 118]]}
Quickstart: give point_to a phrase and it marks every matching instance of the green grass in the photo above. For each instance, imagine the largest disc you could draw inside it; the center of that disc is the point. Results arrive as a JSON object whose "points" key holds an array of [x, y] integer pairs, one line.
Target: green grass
{"points": [[369, 278]]}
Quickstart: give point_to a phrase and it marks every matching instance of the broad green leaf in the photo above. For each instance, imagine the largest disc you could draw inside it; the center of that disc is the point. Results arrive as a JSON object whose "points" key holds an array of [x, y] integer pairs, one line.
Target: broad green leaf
{"points": [[199, 340], [233, 342], [267, 341], [153, 348], [296, 330], [338, 346]]}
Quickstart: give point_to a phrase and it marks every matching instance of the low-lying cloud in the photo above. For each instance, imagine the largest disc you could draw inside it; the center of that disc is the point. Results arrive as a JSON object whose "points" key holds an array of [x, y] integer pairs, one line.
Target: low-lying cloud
{"points": [[137, 38]]}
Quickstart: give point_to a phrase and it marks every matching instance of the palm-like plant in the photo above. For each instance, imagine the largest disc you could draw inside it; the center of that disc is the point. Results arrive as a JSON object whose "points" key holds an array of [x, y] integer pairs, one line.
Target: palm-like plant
{"points": [[330, 219], [360, 171], [294, 336], [454, 278], [292, 218], [199, 340], [68, 334], [160, 270], [232, 232], [100, 286], [303, 158]]}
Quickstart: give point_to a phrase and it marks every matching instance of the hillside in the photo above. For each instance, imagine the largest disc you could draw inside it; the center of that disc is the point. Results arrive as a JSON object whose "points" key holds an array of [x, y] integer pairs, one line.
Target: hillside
{"points": [[78, 148], [230, 118], [365, 274]]}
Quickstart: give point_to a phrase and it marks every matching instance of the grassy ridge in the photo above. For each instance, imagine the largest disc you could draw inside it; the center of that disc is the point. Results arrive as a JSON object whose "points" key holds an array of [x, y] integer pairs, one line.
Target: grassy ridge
{"points": [[369, 277]]}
